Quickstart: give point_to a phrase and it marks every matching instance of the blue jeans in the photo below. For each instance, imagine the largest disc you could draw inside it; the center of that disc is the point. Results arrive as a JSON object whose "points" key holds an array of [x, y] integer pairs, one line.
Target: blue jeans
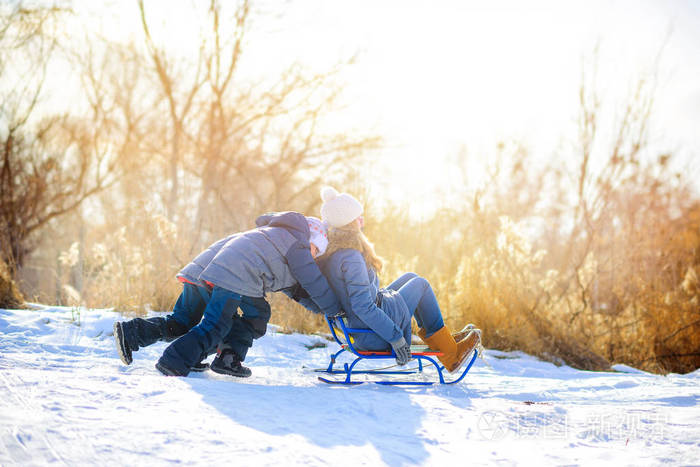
{"points": [[420, 300]]}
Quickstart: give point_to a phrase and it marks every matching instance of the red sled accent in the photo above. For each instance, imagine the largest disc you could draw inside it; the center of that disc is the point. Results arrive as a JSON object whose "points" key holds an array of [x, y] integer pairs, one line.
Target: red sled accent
{"points": [[414, 351]]}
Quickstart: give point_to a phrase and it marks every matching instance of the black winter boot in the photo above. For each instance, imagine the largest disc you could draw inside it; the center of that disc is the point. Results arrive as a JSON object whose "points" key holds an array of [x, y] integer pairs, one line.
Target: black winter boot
{"points": [[199, 367], [138, 332], [123, 348], [163, 367], [228, 363], [166, 370]]}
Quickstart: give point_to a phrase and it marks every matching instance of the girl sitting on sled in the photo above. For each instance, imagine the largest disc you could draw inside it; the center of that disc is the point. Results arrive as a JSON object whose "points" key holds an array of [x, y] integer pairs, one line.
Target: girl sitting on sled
{"points": [[351, 266]]}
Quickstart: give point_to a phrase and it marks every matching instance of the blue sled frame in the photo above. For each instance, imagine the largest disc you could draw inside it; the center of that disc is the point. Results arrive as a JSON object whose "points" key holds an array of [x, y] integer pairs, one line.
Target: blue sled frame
{"points": [[337, 325]]}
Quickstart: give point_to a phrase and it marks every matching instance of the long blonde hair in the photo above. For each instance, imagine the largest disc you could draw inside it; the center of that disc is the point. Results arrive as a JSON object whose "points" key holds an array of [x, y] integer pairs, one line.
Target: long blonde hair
{"points": [[350, 236]]}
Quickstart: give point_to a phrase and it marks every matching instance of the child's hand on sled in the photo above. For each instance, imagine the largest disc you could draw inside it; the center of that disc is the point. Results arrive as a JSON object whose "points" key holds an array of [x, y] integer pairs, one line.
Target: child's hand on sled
{"points": [[402, 351]]}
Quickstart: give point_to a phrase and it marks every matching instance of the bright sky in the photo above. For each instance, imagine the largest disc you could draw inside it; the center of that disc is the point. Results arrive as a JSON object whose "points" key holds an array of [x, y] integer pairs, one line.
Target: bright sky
{"points": [[433, 76]]}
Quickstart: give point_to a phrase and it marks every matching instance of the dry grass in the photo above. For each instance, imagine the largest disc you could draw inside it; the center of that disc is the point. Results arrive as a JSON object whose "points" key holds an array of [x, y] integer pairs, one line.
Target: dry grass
{"points": [[492, 276], [488, 273], [638, 306], [130, 267], [292, 317]]}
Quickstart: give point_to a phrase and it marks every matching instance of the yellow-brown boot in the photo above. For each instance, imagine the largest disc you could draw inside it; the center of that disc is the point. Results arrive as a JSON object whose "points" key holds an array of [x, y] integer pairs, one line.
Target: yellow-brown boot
{"points": [[457, 336], [454, 353]]}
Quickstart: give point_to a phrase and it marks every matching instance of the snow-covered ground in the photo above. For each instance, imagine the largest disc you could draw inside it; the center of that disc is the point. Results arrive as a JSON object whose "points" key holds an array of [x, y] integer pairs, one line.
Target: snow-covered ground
{"points": [[66, 398]]}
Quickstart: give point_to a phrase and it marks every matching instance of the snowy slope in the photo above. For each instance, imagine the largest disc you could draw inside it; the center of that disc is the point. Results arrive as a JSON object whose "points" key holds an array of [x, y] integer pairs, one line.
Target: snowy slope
{"points": [[66, 398]]}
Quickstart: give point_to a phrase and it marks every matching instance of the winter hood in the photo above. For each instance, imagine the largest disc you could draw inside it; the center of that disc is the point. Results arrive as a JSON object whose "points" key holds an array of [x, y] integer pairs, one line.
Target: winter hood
{"points": [[294, 222]]}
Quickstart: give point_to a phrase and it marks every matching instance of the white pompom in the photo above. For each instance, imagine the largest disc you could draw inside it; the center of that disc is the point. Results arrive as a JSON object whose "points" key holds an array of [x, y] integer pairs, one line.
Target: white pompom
{"points": [[328, 193]]}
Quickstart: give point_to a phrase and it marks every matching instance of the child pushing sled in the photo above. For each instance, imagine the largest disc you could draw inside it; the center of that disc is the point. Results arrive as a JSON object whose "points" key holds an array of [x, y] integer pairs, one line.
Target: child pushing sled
{"points": [[235, 273], [280, 255]]}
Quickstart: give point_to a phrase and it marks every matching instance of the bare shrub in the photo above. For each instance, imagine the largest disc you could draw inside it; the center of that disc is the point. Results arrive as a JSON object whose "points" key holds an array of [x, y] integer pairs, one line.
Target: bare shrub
{"points": [[10, 296]]}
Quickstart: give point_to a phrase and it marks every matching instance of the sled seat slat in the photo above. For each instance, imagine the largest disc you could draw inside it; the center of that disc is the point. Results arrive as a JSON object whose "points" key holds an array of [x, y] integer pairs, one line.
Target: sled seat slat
{"points": [[415, 350]]}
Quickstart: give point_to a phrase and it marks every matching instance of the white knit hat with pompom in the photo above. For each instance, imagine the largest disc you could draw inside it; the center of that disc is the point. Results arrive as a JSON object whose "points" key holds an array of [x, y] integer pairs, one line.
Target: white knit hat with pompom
{"points": [[339, 209]]}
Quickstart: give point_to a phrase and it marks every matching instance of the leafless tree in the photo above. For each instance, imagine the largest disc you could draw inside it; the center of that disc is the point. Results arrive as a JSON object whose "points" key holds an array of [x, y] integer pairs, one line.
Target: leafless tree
{"points": [[250, 146], [50, 164]]}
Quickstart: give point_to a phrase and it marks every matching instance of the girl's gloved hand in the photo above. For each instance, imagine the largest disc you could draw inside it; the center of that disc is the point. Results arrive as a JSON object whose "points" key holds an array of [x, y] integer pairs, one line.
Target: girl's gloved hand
{"points": [[402, 351]]}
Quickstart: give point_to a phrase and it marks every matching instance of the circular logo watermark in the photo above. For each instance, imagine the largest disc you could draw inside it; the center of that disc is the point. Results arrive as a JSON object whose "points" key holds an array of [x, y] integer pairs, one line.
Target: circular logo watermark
{"points": [[492, 425]]}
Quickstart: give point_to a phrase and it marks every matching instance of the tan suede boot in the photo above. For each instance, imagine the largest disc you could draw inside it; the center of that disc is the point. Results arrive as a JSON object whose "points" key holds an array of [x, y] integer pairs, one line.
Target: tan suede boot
{"points": [[457, 336], [454, 353]]}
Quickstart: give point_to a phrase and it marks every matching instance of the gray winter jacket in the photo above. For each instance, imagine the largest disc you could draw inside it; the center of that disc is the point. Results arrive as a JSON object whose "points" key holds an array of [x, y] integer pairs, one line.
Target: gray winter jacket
{"points": [[274, 257], [357, 288]]}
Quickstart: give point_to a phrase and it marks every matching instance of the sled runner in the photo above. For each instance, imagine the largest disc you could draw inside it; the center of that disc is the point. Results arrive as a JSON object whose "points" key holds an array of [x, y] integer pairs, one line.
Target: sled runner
{"points": [[421, 353]]}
